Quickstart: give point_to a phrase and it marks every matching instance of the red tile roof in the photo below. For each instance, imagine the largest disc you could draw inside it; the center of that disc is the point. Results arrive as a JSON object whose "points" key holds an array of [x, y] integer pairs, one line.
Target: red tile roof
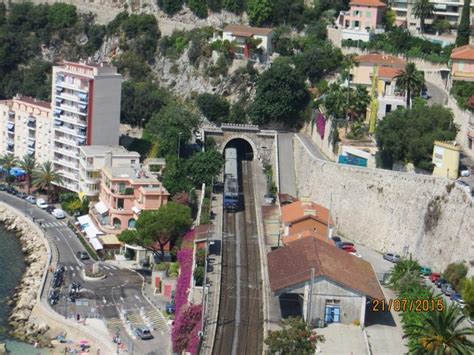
{"points": [[375, 3], [291, 265], [465, 52], [286, 198], [299, 210], [308, 233], [247, 31], [388, 72], [381, 59], [32, 101]]}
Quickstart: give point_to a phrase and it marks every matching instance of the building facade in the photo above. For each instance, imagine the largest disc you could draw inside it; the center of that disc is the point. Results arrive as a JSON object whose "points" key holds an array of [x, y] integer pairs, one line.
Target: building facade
{"points": [[446, 157], [462, 63], [363, 19], [86, 110], [125, 191], [26, 126], [93, 158], [240, 34]]}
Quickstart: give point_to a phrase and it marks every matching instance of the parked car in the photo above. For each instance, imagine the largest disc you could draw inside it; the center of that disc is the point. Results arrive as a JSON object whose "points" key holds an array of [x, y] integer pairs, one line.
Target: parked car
{"points": [[82, 255], [393, 258], [143, 333], [58, 213], [464, 171], [434, 276], [349, 248], [447, 289], [2, 187], [31, 199], [455, 296], [170, 308], [440, 282], [336, 239], [50, 208], [22, 195], [41, 203], [425, 271], [356, 254], [11, 190], [347, 244]]}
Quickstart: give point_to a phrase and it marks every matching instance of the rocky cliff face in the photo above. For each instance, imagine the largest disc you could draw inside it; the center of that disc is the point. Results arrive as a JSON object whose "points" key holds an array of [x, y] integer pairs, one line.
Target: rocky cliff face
{"points": [[33, 246]]}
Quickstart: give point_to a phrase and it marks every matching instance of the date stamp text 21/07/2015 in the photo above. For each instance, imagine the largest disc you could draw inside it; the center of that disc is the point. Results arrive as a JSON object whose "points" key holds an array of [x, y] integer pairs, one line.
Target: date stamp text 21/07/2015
{"points": [[408, 305]]}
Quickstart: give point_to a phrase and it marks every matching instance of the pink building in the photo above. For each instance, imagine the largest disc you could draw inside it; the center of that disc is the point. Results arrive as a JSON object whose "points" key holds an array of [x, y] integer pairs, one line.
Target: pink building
{"points": [[462, 63], [363, 18], [125, 191]]}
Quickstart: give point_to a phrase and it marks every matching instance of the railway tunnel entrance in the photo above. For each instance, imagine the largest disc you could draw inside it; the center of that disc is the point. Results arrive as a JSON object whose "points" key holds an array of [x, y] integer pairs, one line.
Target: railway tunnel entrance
{"points": [[245, 150]]}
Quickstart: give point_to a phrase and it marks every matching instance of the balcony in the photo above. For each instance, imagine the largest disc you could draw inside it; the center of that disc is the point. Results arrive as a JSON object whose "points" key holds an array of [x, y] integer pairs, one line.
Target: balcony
{"points": [[71, 120], [70, 97], [67, 163], [10, 148], [68, 174], [67, 152], [71, 131], [77, 87], [64, 140], [11, 114], [73, 109]]}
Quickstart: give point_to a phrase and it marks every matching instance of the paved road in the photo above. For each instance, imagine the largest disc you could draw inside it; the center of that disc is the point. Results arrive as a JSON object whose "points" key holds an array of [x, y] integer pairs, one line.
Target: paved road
{"points": [[286, 164], [308, 143], [436, 95], [120, 290]]}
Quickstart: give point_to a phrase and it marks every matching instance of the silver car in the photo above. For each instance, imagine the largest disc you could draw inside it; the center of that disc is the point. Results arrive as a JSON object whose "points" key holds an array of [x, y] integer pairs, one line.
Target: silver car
{"points": [[393, 258]]}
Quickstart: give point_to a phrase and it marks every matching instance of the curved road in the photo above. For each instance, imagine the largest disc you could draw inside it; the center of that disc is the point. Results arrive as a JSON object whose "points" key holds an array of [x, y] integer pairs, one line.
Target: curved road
{"points": [[120, 290]]}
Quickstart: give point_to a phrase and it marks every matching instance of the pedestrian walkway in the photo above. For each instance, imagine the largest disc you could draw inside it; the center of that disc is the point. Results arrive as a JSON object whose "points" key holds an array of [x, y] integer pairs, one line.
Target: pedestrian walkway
{"points": [[134, 318], [157, 320], [54, 224], [286, 164]]}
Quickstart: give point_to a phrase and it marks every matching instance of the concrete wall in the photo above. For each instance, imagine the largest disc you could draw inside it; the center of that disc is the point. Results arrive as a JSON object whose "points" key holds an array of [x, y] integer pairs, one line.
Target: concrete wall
{"points": [[324, 144], [429, 217]]}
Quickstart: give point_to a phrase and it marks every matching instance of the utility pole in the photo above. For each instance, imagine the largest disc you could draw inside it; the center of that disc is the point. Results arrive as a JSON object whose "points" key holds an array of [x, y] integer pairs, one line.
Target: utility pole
{"points": [[310, 301], [329, 217]]}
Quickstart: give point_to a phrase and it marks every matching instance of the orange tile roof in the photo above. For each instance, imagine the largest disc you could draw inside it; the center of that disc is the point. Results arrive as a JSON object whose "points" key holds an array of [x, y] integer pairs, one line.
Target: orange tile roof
{"points": [[465, 52], [308, 233], [299, 210], [33, 101], [388, 72], [374, 3], [291, 265], [381, 59]]}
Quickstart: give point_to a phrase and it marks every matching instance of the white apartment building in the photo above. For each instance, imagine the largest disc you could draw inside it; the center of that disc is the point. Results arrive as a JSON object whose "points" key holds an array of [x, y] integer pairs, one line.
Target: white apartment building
{"points": [[444, 10], [25, 128], [86, 110], [93, 158]]}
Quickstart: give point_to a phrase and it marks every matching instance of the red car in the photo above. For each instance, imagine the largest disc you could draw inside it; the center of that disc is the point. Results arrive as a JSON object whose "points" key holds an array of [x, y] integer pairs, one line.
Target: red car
{"points": [[435, 276], [349, 248]]}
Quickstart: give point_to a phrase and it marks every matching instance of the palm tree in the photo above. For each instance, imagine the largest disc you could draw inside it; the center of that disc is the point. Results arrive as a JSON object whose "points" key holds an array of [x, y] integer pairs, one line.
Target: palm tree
{"points": [[441, 333], [410, 80], [44, 176], [402, 272], [28, 164], [423, 9], [7, 162]]}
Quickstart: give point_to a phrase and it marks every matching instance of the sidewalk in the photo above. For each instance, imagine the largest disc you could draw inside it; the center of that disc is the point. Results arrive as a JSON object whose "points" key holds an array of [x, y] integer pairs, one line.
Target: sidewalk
{"points": [[214, 280]]}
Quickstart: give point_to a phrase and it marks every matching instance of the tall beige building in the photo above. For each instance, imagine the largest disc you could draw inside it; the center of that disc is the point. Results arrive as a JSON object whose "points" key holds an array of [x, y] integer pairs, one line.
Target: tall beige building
{"points": [[86, 110], [26, 128]]}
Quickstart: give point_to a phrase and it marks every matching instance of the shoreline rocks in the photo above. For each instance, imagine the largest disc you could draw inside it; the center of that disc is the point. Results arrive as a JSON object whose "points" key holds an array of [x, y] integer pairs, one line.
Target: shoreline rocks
{"points": [[25, 296]]}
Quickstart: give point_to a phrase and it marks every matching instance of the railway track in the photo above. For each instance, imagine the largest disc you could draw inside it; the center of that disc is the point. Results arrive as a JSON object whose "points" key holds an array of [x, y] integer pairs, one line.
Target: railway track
{"points": [[240, 321]]}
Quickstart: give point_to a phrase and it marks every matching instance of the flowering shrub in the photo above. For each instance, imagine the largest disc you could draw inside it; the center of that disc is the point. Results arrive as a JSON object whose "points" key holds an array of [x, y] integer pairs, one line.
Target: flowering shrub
{"points": [[194, 339], [185, 260], [184, 328], [320, 124]]}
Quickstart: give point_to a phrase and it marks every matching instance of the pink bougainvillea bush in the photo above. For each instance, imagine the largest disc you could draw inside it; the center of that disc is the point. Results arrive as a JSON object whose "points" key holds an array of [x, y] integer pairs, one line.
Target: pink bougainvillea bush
{"points": [[185, 260], [194, 339], [184, 326]]}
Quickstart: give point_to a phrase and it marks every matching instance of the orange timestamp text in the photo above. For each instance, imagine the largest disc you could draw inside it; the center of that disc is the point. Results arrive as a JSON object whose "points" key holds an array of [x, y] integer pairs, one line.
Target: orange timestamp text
{"points": [[408, 305]]}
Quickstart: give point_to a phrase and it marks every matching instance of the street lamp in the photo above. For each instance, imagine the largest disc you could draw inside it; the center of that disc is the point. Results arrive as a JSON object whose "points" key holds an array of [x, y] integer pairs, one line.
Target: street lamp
{"points": [[117, 337], [65, 306], [179, 143]]}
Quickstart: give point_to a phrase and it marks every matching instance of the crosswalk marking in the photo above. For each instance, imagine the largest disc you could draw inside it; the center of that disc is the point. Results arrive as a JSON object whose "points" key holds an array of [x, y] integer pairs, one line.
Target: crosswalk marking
{"points": [[71, 268], [157, 320], [105, 267], [78, 268]]}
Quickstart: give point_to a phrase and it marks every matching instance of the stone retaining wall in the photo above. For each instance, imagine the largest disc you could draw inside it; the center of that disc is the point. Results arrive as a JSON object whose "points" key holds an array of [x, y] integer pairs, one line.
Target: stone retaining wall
{"points": [[432, 218]]}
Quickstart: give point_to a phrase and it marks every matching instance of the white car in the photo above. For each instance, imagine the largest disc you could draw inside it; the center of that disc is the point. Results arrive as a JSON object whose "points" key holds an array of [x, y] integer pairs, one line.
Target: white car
{"points": [[41, 203], [465, 172], [58, 213], [31, 199], [356, 254]]}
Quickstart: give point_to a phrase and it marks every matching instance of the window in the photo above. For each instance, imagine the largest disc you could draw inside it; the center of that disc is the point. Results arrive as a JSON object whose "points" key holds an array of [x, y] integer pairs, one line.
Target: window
{"points": [[117, 224], [332, 313], [132, 162], [368, 14], [120, 203], [131, 223], [388, 108], [121, 187]]}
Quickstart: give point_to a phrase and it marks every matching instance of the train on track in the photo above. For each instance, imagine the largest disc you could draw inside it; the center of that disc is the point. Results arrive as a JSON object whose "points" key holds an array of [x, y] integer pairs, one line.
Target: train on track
{"points": [[231, 180]]}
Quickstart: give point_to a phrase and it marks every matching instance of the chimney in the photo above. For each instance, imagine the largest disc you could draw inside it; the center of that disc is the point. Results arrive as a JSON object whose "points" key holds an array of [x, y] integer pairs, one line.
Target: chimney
{"points": [[108, 159], [309, 212], [305, 201]]}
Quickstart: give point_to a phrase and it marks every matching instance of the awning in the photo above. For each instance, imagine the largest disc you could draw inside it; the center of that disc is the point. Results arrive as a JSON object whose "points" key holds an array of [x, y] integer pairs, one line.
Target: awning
{"points": [[110, 239], [96, 244], [84, 221], [10, 125], [136, 209], [58, 110], [92, 231], [100, 207], [58, 123]]}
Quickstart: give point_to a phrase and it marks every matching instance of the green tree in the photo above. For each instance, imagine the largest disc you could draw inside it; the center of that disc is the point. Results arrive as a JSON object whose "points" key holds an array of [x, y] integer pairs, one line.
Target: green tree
{"points": [[140, 100], [455, 273], [259, 11], [202, 167], [462, 92], [214, 107], [61, 16], [423, 9], [441, 333], [173, 126], [7, 162], [45, 176], [161, 226], [198, 275], [235, 6], [441, 26], [237, 114], [464, 28], [132, 66], [171, 7], [198, 7], [214, 5], [295, 337], [399, 272], [359, 100], [410, 80], [281, 96], [467, 293], [407, 135], [175, 178], [28, 164], [319, 60], [3, 14]]}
